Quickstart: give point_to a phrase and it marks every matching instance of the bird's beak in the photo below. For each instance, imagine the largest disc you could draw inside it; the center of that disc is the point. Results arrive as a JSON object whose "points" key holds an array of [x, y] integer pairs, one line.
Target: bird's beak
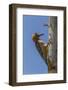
{"points": [[41, 34]]}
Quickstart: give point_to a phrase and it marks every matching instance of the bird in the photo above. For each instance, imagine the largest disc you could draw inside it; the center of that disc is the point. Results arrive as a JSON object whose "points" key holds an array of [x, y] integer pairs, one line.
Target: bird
{"points": [[41, 46]]}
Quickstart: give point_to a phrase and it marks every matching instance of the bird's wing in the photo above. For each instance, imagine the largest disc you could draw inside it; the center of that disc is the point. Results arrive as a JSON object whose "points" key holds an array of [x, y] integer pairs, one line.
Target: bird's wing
{"points": [[41, 48]]}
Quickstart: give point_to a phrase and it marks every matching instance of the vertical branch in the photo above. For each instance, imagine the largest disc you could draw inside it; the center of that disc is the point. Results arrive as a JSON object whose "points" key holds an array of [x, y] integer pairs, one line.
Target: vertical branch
{"points": [[52, 48]]}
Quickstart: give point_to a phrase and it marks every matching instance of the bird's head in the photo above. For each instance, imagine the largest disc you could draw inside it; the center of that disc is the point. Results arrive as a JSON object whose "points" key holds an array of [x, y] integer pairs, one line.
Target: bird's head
{"points": [[35, 36]]}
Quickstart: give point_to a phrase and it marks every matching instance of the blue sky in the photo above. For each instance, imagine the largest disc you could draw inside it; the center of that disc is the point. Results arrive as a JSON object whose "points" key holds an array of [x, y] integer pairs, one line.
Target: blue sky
{"points": [[33, 63]]}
